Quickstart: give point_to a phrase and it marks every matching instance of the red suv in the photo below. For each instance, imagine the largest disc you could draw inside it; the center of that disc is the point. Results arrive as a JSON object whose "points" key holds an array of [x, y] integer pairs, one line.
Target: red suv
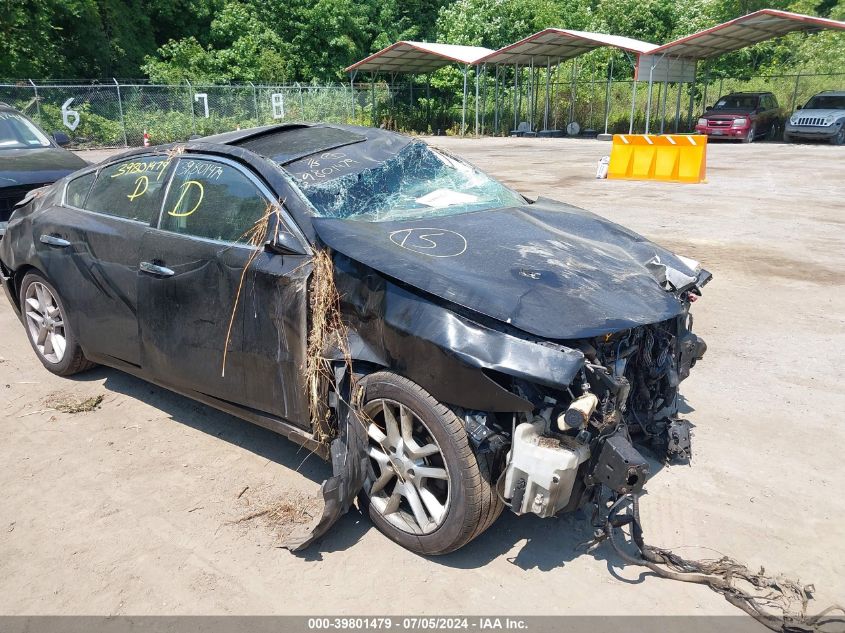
{"points": [[742, 115]]}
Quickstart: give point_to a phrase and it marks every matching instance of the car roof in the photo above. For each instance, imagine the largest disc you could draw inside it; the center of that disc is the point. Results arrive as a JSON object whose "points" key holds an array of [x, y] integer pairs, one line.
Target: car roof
{"points": [[750, 94], [831, 93]]}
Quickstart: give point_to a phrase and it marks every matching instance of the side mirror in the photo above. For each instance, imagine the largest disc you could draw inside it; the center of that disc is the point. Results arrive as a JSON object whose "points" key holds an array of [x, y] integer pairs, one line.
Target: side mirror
{"points": [[284, 244], [799, 107], [708, 108], [61, 138]]}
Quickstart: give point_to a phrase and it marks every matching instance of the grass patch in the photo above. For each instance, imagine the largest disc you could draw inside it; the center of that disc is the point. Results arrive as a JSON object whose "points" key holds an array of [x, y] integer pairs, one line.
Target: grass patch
{"points": [[67, 403]]}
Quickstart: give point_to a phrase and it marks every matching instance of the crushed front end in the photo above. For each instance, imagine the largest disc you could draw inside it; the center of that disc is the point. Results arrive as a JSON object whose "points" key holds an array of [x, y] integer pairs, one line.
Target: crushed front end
{"points": [[581, 438]]}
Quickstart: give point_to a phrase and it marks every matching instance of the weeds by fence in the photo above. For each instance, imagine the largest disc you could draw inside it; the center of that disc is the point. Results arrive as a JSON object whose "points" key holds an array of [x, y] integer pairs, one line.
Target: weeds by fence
{"points": [[112, 113]]}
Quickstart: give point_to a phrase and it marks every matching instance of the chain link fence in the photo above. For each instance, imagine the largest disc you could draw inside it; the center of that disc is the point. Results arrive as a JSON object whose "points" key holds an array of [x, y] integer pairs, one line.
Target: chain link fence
{"points": [[103, 114]]}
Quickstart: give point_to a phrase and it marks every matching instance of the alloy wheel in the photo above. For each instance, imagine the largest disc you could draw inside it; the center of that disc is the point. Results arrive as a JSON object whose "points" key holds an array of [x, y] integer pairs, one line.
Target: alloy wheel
{"points": [[45, 322], [408, 482]]}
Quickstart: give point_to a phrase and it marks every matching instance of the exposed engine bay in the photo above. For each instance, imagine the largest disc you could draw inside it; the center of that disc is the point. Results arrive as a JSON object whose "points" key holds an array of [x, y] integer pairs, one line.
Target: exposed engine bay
{"points": [[582, 438]]}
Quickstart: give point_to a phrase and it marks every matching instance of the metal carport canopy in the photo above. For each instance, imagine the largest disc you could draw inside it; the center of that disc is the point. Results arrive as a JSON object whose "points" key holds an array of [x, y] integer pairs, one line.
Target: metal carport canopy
{"points": [[418, 57], [562, 44], [676, 61], [743, 31]]}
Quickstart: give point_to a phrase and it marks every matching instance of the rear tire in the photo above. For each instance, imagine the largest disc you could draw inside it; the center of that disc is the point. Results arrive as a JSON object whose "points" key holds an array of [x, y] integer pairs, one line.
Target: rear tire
{"points": [[408, 430], [45, 321]]}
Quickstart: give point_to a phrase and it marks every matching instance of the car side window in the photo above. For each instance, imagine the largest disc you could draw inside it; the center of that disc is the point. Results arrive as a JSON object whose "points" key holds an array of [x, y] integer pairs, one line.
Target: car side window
{"points": [[78, 188], [130, 189], [213, 200]]}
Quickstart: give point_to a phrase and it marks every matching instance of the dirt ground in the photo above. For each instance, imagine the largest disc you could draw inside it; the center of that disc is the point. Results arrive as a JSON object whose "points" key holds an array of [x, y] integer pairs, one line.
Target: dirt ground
{"points": [[132, 508]]}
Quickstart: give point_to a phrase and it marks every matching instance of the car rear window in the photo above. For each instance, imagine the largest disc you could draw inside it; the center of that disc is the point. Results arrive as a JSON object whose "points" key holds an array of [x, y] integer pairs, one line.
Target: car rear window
{"points": [[290, 144]]}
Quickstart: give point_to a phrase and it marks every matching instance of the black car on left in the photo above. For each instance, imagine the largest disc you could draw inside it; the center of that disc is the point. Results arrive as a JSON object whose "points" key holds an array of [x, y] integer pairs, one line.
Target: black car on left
{"points": [[29, 159]]}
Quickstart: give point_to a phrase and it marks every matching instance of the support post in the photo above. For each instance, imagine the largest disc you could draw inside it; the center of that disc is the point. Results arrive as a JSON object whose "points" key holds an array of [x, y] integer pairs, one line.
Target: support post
{"points": [[464, 108], [690, 125], [255, 102], [37, 100], [607, 96], [648, 101], [496, 101], [484, 92], [548, 81], [301, 102], [665, 99], [633, 91], [373, 91], [678, 107], [352, 90], [476, 100], [191, 106], [532, 97], [515, 95], [120, 109], [795, 93], [572, 93]]}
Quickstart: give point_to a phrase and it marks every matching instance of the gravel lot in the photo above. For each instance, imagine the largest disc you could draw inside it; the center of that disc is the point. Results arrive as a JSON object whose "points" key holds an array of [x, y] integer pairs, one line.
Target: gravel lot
{"points": [[132, 508]]}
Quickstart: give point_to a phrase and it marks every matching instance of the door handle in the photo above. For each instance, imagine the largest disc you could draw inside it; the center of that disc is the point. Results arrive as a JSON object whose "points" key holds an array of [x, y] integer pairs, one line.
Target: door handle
{"points": [[52, 240], [155, 269]]}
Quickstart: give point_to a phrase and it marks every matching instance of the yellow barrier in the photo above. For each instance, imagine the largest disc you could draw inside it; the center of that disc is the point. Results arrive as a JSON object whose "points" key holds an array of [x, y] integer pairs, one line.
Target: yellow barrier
{"points": [[672, 157]]}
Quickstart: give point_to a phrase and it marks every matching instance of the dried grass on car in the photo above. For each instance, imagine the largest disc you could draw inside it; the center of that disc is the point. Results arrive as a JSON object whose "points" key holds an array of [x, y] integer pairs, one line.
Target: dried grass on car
{"points": [[326, 332], [255, 236]]}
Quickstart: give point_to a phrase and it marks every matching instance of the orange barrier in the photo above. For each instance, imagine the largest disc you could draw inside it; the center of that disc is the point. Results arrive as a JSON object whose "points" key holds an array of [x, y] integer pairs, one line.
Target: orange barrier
{"points": [[671, 157]]}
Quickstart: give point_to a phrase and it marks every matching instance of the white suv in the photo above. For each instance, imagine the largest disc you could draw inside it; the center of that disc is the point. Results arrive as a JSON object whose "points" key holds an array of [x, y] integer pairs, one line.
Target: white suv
{"points": [[822, 118]]}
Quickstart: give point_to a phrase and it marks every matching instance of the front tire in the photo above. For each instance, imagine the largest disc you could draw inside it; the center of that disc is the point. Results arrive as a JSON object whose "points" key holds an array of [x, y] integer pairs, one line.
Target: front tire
{"points": [[752, 134], [425, 489], [45, 320], [839, 137]]}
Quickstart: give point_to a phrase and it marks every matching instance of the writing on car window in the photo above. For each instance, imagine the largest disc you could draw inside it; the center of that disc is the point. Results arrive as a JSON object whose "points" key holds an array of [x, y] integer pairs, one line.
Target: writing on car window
{"points": [[212, 200], [130, 189]]}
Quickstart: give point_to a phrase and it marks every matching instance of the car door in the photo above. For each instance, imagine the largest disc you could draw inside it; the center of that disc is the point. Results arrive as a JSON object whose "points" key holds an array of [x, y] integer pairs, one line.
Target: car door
{"points": [[768, 113], [220, 314], [89, 246]]}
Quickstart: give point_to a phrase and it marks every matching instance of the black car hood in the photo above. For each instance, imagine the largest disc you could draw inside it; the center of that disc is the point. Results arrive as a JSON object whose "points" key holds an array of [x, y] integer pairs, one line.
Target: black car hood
{"points": [[548, 268], [35, 166]]}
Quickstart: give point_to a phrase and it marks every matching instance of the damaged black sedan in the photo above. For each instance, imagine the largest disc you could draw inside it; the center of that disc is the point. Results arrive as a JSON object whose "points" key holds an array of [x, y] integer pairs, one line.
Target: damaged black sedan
{"points": [[451, 346]]}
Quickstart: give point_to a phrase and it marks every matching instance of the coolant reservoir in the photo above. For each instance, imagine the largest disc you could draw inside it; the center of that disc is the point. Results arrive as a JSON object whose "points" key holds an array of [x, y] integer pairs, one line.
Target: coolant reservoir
{"points": [[541, 472]]}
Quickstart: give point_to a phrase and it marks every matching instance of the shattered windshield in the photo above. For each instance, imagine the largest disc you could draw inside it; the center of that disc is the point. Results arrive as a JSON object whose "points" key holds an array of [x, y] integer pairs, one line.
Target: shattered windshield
{"points": [[416, 182]]}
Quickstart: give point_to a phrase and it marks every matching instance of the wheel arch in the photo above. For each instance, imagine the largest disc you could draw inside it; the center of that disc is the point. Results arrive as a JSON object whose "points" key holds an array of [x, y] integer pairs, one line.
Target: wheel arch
{"points": [[16, 279]]}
